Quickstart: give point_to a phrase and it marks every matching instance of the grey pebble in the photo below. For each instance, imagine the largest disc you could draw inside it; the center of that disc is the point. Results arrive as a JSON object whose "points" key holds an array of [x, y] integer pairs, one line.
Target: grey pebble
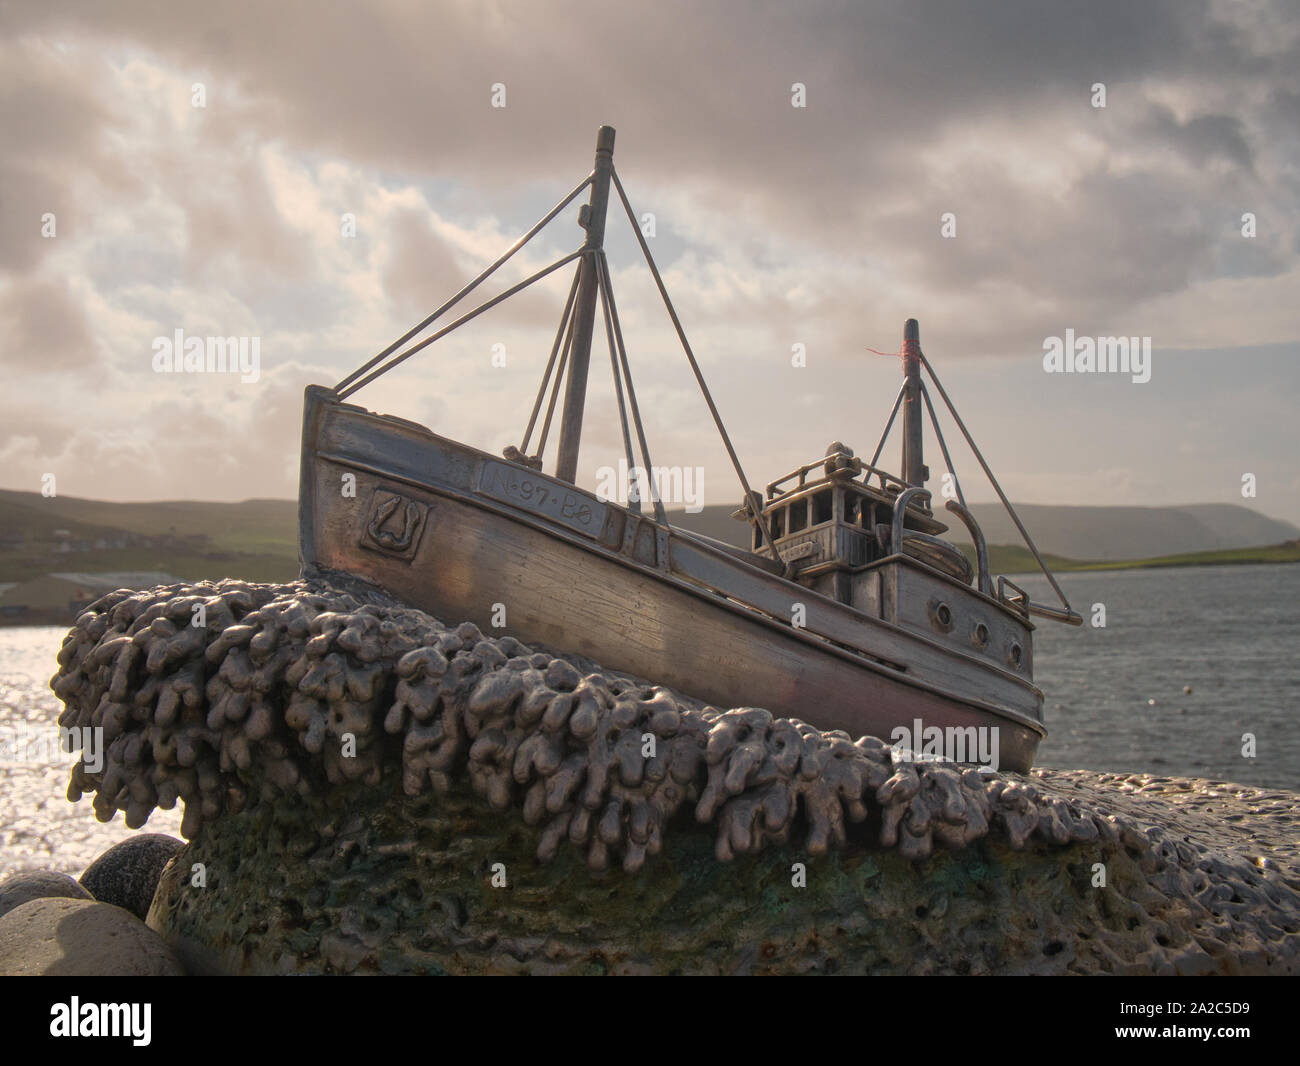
{"points": [[37, 884], [81, 938], [126, 875]]}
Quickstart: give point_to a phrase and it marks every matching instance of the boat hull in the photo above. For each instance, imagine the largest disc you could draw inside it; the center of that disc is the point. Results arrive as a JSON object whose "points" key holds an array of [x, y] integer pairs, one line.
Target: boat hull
{"points": [[463, 535]]}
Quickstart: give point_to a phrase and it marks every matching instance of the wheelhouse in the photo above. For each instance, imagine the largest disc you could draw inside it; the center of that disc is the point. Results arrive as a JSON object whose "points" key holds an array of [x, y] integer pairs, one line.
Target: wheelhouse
{"points": [[862, 536], [843, 520]]}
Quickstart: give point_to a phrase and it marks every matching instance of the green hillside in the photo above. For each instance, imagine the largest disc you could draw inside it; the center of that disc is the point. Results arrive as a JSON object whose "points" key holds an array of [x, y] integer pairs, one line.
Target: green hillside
{"points": [[255, 539], [268, 526], [1287, 552]]}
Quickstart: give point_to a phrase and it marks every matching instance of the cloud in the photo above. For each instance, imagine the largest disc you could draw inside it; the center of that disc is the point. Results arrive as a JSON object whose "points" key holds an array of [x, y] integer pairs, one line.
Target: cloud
{"points": [[54, 125], [44, 328]]}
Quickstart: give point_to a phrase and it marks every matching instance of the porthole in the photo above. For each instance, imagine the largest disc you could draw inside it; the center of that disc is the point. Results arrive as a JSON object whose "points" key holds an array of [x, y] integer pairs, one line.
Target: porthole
{"points": [[1017, 655], [981, 635], [942, 615]]}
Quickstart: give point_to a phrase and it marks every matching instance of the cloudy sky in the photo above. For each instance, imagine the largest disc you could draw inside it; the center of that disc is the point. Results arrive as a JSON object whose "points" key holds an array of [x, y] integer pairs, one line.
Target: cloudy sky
{"points": [[776, 225]]}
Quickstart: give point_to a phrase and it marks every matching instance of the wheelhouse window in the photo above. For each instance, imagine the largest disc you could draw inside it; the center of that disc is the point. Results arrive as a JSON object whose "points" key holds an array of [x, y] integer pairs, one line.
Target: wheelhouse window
{"points": [[823, 506], [775, 522], [798, 515], [858, 510]]}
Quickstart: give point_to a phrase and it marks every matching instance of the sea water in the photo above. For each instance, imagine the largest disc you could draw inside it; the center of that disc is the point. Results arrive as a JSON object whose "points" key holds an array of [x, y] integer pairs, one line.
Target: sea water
{"points": [[1115, 695], [39, 828]]}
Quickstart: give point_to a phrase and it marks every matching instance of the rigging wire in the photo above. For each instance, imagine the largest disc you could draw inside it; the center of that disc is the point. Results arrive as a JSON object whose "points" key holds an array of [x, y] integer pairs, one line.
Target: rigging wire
{"points": [[943, 446], [752, 500], [463, 292], [555, 388], [602, 274], [889, 424], [970, 441], [550, 363], [344, 393], [1029, 542], [606, 291]]}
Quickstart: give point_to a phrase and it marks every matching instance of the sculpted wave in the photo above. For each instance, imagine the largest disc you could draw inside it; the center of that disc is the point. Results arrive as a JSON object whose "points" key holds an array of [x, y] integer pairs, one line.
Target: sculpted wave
{"points": [[309, 685]]}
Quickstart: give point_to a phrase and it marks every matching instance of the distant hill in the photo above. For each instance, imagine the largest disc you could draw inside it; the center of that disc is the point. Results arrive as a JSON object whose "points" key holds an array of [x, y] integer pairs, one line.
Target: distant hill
{"points": [[1115, 533], [1082, 533], [256, 540], [250, 525]]}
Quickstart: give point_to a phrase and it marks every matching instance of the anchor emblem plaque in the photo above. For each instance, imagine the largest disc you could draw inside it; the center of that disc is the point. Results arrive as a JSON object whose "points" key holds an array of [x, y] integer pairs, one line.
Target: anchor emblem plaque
{"points": [[394, 524]]}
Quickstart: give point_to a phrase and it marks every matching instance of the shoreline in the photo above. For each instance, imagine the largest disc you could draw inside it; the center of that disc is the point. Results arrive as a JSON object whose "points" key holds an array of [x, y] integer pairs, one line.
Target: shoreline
{"points": [[1160, 564], [1265, 555]]}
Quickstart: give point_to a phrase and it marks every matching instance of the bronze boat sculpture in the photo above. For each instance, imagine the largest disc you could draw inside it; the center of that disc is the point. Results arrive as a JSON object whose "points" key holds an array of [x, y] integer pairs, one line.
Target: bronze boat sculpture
{"points": [[847, 611]]}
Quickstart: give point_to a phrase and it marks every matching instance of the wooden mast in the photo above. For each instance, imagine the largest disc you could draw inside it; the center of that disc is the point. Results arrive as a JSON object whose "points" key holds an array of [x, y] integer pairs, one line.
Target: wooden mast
{"points": [[914, 468], [575, 394]]}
